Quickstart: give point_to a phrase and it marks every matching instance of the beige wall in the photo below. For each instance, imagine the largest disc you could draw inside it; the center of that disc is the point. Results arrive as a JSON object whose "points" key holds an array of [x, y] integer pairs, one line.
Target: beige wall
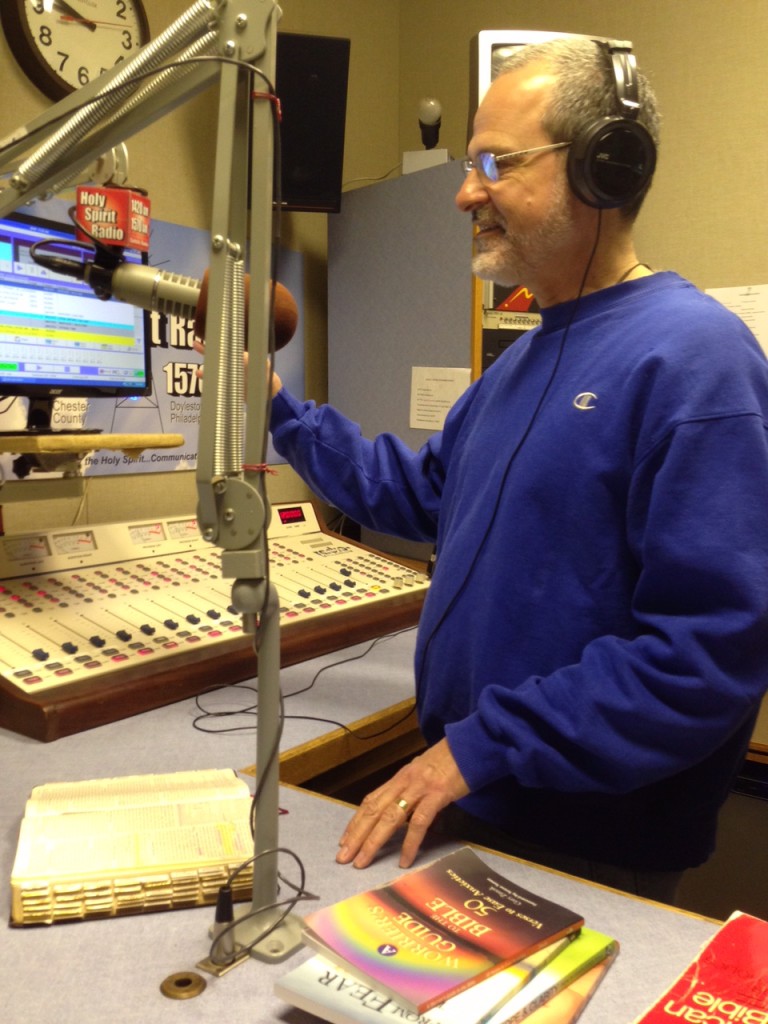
{"points": [[705, 216]]}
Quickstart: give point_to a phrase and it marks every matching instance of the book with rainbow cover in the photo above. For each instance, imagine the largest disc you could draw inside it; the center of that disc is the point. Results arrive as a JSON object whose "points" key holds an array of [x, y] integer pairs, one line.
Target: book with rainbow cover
{"points": [[430, 933]]}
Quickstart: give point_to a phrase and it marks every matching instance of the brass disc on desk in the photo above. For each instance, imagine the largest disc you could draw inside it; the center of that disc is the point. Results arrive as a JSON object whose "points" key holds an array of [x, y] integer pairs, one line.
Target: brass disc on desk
{"points": [[183, 985]]}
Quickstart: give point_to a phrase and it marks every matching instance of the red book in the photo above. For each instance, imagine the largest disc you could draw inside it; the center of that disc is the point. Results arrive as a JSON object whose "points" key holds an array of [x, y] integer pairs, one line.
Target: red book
{"points": [[727, 981]]}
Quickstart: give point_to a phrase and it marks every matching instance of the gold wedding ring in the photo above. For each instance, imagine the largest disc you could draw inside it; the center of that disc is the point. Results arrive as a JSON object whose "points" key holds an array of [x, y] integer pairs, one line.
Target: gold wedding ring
{"points": [[403, 805]]}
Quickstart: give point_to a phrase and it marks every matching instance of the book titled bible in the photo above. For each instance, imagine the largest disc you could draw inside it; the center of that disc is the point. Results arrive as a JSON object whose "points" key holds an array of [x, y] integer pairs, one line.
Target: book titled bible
{"points": [[108, 847], [726, 981], [435, 931]]}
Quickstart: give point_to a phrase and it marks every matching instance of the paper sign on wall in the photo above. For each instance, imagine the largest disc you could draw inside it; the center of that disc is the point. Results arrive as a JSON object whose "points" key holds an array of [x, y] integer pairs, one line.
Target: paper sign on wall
{"points": [[434, 389], [750, 302]]}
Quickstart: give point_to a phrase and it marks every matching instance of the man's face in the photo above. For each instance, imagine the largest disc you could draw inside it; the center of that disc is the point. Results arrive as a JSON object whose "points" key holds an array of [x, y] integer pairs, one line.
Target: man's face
{"points": [[524, 221]]}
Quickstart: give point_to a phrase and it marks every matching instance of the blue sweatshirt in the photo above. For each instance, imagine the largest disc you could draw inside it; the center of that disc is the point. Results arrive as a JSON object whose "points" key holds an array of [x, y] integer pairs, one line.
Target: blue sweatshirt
{"points": [[594, 643]]}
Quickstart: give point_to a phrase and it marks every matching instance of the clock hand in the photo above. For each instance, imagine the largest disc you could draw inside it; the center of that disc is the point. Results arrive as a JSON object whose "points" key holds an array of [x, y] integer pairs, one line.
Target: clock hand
{"points": [[64, 7]]}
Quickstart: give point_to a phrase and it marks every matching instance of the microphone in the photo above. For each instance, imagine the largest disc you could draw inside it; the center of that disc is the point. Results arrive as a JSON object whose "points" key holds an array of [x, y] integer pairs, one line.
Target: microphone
{"points": [[162, 291]]}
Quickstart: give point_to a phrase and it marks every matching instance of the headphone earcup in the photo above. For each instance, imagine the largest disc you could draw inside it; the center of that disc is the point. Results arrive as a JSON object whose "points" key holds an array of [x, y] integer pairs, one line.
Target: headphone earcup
{"points": [[611, 163]]}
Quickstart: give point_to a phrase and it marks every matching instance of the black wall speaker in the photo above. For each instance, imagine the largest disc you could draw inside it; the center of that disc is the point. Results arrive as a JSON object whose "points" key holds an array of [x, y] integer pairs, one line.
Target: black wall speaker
{"points": [[311, 82]]}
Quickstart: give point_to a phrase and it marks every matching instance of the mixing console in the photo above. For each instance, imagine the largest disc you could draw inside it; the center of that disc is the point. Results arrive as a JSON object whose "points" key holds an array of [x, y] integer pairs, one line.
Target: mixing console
{"points": [[104, 621]]}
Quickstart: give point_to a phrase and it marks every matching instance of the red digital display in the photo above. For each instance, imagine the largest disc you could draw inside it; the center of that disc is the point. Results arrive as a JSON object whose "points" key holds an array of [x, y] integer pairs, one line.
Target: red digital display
{"points": [[294, 514]]}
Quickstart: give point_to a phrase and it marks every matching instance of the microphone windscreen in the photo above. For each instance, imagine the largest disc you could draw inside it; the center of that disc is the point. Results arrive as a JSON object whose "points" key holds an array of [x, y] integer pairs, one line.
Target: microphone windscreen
{"points": [[286, 312], [286, 316]]}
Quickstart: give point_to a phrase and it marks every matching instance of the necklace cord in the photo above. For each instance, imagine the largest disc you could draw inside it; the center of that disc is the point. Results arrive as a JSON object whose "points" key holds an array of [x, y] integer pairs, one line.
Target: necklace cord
{"points": [[626, 273]]}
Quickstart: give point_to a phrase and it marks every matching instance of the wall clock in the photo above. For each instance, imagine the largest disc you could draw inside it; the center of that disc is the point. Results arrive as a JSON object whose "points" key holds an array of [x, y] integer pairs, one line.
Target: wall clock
{"points": [[64, 44]]}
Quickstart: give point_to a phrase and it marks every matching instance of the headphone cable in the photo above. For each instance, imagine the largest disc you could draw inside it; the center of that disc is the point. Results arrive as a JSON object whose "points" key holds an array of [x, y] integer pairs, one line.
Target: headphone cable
{"points": [[515, 452]]}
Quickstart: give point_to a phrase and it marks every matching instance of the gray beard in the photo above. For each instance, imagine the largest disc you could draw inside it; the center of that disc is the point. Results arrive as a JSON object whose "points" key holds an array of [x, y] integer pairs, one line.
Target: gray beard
{"points": [[514, 258]]}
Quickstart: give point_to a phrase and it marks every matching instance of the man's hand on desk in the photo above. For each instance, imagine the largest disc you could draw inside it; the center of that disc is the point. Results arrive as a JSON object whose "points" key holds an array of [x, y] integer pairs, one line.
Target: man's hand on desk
{"points": [[413, 796]]}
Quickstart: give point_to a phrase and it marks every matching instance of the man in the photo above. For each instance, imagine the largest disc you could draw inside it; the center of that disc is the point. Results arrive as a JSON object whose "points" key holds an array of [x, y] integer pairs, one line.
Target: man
{"points": [[593, 649]]}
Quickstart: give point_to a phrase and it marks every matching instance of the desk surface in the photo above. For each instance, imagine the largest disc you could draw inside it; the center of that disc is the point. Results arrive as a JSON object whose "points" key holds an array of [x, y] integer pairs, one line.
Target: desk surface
{"points": [[111, 970]]}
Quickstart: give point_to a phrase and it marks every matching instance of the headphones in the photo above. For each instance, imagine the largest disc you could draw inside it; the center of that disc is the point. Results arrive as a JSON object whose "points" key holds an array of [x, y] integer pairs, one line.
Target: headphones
{"points": [[612, 161]]}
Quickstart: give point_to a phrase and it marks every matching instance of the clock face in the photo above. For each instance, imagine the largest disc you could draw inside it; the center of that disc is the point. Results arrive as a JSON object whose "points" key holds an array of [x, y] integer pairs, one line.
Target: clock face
{"points": [[65, 44]]}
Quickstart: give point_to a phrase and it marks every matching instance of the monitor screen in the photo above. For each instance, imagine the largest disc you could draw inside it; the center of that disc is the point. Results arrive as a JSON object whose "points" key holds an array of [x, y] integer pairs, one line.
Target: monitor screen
{"points": [[57, 339]]}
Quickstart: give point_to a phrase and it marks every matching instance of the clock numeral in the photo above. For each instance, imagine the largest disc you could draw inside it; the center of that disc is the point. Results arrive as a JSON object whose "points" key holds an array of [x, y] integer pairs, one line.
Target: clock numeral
{"points": [[94, 32]]}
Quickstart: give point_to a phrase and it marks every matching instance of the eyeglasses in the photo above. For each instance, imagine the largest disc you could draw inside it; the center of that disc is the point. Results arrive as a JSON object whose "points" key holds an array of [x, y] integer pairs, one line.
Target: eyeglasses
{"points": [[487, 164]]}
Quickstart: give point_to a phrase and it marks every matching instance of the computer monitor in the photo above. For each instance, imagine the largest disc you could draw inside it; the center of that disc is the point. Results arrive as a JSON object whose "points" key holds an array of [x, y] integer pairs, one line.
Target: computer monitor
{"points": [[57, 339], [490, 48]]}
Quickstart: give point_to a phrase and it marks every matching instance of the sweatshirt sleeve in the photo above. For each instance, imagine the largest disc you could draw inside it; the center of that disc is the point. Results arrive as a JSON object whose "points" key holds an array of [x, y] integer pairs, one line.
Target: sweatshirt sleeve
{"points": [[381, 484], [633, 710]]}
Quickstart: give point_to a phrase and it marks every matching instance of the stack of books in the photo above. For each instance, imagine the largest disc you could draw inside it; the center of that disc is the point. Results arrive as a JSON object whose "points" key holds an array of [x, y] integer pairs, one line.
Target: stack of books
{"points": [[451, 943]]}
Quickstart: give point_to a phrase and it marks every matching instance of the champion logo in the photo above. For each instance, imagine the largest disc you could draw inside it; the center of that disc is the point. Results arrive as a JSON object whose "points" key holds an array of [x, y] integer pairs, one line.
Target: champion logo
{"points": [[585, 400]]}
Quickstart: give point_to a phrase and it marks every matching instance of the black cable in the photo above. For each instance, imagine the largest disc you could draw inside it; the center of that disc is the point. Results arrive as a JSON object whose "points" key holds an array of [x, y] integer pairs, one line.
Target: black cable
{"points": [[300, 891], [346, 661], [222, 944], [111, 257], [252, 709], [353, 732], [55, 119], [338, 523], [61, 265], [274, 754], [271, 341]]}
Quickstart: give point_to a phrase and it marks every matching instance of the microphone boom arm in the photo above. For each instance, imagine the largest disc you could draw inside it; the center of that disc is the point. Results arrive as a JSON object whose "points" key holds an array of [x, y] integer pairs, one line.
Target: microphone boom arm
{"points": [[231, 42]]}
